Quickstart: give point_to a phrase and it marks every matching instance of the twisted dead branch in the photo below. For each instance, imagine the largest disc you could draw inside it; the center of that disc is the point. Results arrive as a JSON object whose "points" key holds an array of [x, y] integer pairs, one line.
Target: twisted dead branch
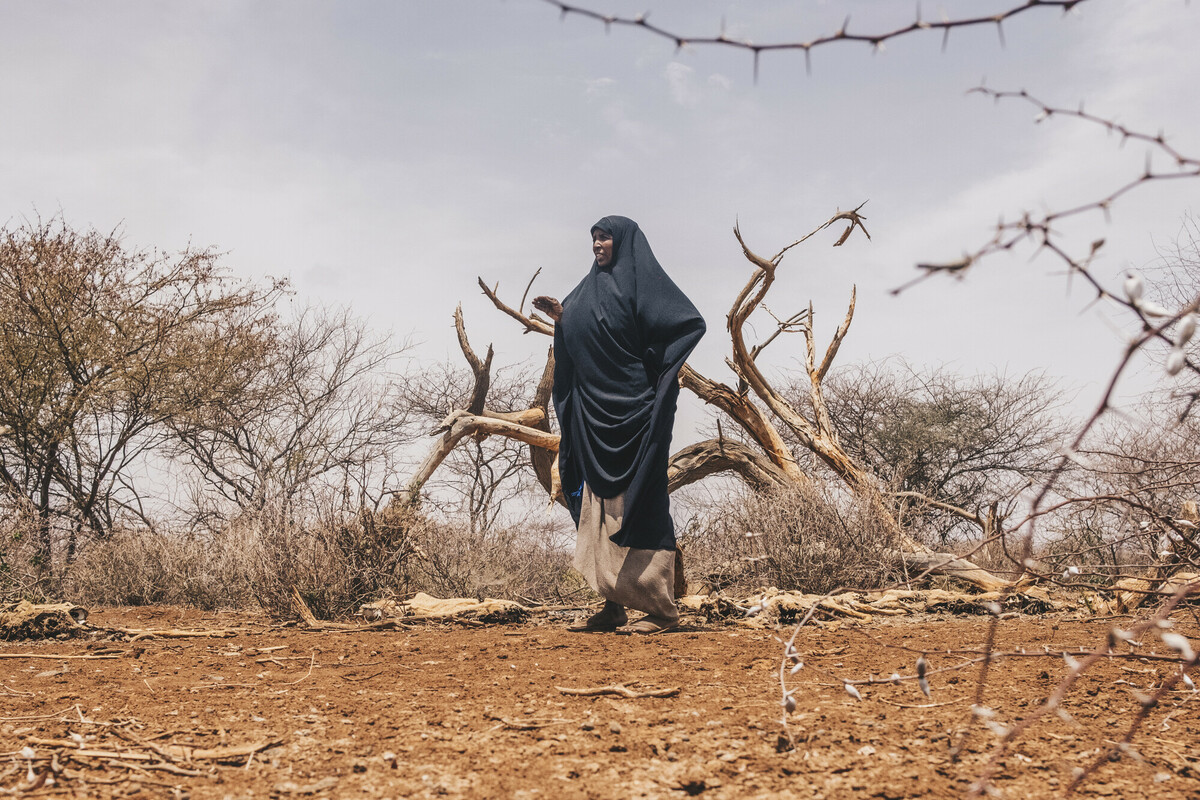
{"points": [[755, 405]]}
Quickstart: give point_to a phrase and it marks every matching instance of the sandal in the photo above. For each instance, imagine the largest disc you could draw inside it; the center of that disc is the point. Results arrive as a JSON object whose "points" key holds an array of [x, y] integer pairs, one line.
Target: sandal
{"points": [[649, 625]]}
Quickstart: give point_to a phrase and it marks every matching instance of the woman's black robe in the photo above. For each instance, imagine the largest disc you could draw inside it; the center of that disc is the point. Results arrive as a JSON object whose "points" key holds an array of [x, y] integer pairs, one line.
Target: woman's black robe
{"points": [[625, 331]]}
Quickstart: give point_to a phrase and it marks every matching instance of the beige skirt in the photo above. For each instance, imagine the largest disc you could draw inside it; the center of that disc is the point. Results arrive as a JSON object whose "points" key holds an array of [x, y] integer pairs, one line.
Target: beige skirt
{"points": [[643, 580]]}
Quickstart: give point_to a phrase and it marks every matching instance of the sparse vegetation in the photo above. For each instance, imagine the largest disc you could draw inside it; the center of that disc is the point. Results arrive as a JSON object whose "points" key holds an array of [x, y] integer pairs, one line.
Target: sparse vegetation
{"points": [[811, 538]]}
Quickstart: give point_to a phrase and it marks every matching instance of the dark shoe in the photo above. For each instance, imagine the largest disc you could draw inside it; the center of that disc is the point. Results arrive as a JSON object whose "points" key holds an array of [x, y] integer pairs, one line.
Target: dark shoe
{"points": [[609, 618]]}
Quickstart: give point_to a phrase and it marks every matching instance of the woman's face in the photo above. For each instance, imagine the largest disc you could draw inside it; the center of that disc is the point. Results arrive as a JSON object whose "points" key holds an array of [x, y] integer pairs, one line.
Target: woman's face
{"points": [[602, 243]]}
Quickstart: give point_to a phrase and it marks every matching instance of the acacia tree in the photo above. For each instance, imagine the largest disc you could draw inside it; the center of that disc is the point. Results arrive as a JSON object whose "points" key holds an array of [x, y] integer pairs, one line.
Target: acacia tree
{"points": [[1134, 507], [100, 346], [972, 442]]}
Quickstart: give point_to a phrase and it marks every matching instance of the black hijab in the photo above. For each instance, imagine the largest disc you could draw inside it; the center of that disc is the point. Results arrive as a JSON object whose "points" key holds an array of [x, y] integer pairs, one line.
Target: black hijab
{"points": [[625, 331]]}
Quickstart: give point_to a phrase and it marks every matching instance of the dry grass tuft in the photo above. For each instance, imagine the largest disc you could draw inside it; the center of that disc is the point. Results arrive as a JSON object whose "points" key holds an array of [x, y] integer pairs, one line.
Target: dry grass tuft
{"points": [[806, 538], [133, 568]]}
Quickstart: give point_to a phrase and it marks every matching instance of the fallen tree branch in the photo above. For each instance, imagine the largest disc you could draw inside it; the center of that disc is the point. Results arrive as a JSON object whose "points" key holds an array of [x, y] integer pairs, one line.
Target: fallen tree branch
{"points": [[178, 633]]}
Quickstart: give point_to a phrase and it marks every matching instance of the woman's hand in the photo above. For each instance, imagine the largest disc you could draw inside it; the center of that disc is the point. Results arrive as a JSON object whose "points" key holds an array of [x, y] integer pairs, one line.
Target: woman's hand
{"points": [[548, 306]]}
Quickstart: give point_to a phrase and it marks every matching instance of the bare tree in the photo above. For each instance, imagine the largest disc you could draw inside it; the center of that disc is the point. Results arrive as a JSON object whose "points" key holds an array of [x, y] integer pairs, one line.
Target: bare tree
{"points": [[100, 347], [484, 475], [317, 411], [1132, 512]]}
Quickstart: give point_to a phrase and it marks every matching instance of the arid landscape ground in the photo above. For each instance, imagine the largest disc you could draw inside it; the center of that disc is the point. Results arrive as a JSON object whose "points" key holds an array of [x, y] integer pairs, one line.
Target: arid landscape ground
{"points": [[438, 710]]}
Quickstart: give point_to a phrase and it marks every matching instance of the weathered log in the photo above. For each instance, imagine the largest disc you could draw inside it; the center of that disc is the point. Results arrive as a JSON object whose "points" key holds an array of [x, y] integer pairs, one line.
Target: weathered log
{"points": [[924, 561], [25, 620], [544, 461], [1132, 592], [723, 455]]}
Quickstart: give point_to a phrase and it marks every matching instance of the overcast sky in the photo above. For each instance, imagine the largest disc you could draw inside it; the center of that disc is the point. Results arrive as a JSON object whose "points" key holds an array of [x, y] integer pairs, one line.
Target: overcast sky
{"points": [[384, 154]]}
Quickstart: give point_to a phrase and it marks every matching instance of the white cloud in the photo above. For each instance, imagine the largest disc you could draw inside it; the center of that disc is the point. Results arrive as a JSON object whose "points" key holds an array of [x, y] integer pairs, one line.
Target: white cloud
{"points": [[600, 87], [683, 89], [633, 133]]}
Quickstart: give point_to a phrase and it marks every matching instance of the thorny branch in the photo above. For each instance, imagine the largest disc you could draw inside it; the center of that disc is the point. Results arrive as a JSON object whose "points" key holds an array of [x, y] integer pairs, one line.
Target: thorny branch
{"points": [[1038, 229], [875, 40]]}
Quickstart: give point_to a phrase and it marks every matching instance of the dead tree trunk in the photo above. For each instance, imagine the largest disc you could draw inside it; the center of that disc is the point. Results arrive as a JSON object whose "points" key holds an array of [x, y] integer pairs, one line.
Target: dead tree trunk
{"points": [[754, 405]]}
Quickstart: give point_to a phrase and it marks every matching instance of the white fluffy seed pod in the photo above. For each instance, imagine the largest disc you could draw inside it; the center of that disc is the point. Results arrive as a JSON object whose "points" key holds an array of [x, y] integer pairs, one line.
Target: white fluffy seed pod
{"points": [[983, 712], [1185, 330], [1175, 360], [1133, 286], [1151, 308], [996, 728], [1180, 644]]}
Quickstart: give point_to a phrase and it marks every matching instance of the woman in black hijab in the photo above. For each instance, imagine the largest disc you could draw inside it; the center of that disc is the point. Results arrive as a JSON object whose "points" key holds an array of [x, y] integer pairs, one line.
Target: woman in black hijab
{"points": [[621, 337]]}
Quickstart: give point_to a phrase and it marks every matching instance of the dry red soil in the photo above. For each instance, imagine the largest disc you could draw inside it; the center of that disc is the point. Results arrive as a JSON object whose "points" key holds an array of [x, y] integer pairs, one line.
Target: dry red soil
{"points": [[441, 711]]}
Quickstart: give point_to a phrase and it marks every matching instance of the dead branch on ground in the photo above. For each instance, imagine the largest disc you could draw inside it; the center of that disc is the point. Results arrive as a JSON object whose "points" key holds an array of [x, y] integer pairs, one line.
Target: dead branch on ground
{"points": [[621, 690]]}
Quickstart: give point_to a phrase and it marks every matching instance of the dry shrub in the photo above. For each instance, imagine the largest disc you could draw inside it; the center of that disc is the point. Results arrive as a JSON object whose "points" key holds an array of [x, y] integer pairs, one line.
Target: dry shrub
{"points": [[525, 561], [142, 567], [336, 564], [19, 573], [339, 564], [807, 538]]}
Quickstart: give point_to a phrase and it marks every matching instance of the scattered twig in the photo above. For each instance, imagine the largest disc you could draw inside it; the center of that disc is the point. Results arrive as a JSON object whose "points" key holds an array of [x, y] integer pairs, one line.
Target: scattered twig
{"points": [[171, 753], [39, 716], [529, 724], [620, 689], [162, 767], [52, 656], [311, 663], [921, 705], [139, 634]]}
